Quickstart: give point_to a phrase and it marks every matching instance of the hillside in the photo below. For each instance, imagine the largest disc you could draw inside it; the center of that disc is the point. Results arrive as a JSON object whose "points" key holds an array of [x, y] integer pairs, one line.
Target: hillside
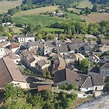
{"points": [[62, 2], [5, 5], [100, 1]]}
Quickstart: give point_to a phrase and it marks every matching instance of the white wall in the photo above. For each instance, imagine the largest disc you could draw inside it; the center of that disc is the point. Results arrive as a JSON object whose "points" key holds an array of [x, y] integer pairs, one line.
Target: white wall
{"points": [[26, 39], [2, 52], [86, 89], [15, 49], [16, 61], [104, 72], [92, 88], [20, 84]]}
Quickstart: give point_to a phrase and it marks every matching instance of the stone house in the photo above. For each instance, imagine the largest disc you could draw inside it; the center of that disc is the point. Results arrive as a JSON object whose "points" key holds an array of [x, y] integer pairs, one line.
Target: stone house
{"points": [[42, 64], [104, 69], [11, 74], [26, 38]]}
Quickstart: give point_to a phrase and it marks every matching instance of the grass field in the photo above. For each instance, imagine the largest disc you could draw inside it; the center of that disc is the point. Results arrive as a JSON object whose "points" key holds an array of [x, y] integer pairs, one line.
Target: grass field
{"points": [[73, 16], [38, 19], [5, 5], [85, 3], [95, 17], [52, 29], [74, 9], [36, 11]]}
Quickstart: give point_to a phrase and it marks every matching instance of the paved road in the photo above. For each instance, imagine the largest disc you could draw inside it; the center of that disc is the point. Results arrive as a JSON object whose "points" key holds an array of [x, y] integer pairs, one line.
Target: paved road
{"points": [[100, 103]]}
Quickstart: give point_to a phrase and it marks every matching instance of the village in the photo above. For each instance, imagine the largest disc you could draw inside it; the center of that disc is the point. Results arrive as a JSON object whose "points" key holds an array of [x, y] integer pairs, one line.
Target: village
{"points": [[55, 64]]}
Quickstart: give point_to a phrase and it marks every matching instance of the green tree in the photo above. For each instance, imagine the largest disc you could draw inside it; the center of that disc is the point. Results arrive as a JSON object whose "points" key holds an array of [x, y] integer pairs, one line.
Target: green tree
{"points": [[12, 92], [95, 8], [18, 103], [84, 65]]}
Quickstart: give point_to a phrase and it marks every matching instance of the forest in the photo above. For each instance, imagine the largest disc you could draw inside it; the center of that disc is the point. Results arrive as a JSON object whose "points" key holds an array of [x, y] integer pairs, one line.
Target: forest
{"points": [[60, 2]]}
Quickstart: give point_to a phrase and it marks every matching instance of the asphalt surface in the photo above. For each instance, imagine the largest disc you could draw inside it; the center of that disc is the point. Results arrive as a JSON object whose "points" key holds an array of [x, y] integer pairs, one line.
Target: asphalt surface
{"points": [[99, 103]]}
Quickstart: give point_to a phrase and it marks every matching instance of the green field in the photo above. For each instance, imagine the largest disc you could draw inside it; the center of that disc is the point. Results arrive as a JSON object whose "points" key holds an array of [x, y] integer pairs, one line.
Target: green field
{"points": [[85, 3], [72, 16], [52, 30], [36, 11], [5, 5], [38, 19]]}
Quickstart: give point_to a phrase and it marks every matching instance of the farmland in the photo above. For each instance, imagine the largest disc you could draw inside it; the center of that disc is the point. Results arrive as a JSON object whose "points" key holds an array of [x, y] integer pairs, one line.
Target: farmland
{"points": [[38, 19], [36, 11], [52, 29], [95, 17], [5, 5], [84, 3]]}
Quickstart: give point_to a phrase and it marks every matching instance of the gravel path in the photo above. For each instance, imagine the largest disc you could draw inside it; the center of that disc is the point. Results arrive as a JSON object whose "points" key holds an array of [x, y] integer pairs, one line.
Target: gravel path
{"points": [[99, 103]]}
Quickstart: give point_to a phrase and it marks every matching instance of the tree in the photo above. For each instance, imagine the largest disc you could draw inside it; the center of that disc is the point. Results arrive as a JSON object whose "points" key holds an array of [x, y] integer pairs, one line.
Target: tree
{"points": [[95, 8], [84, 65], [12, 92], [46, 73], [18, 103]]}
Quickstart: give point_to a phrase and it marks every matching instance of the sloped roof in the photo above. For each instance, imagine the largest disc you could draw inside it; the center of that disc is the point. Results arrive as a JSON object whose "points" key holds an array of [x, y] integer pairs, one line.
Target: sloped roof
{"points": [[97, 79], [9, 72], [44, 87], [105, 66], [66, 74], [14, 45]]}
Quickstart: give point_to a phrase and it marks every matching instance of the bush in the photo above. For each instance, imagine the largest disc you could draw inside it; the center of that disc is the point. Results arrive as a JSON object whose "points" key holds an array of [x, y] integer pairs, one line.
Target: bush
{"points": [[68, 87]]}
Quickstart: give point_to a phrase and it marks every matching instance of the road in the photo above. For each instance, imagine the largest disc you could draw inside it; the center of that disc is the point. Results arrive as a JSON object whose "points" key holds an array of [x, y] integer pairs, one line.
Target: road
{"points": [[99, 103]]}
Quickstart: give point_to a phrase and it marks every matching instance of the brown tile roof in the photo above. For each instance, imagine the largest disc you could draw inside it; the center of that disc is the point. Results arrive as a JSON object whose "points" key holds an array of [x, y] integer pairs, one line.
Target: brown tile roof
{"points": [[63, 48], [66, 74], [9, 72], [97, 79], [87, 83], [5, 76], [27, 55], [41, 63], [14, 45], [62, 63], [44, 87], [105, 41]]}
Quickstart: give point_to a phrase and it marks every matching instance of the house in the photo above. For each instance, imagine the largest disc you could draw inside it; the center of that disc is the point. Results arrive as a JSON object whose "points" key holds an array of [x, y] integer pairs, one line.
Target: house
{"points": [[14, 57], [57, 64], [42, 64], [85, 48], [60, 14], [92, 82], [2, 51], [44, 87], [79, 56], [104, 48], [5, 43], [14, 47], [104, 41], [3, 38], [49, 46], [9, 73], [26, 57], [90, 36], [63, 49], [69, 58], [66, 76], [26, 38], [104, 69]]}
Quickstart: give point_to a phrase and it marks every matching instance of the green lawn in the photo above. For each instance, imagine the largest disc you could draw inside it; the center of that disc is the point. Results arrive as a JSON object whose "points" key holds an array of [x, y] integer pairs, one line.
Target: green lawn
{"points": [[38, 19], [52, 29]]}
